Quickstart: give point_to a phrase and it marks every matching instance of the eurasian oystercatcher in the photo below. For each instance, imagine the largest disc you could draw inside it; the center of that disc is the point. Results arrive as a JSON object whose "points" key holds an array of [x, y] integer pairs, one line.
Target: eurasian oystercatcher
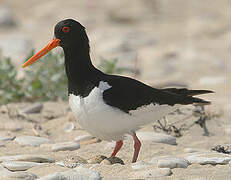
{"points": [[110, 106]]}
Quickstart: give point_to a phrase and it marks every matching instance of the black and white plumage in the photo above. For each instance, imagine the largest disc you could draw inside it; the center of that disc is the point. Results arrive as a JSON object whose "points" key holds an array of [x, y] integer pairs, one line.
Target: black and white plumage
{"points": [[109, 106]]}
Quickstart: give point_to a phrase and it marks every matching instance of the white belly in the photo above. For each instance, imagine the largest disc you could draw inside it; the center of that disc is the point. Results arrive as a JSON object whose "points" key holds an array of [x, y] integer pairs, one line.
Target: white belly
{"points": [[109, 123]]}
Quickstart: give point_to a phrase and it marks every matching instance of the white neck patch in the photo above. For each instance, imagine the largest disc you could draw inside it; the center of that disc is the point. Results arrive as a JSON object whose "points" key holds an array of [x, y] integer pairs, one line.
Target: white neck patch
{"points": [[104, 86]]}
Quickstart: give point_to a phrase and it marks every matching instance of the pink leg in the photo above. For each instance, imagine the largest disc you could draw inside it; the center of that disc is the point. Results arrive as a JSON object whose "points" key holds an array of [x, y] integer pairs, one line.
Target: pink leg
{"points": [[119, 144], [137, 145]]}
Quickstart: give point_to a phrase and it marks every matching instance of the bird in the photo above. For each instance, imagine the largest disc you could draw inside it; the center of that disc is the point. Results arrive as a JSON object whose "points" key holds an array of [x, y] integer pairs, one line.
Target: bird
{"points": [[110, 106]]}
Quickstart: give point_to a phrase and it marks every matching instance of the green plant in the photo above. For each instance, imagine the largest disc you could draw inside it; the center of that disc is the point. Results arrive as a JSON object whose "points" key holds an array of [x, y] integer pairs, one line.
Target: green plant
{"points": [[43, 81], [46, 80], [10, 85], [110, 66]]}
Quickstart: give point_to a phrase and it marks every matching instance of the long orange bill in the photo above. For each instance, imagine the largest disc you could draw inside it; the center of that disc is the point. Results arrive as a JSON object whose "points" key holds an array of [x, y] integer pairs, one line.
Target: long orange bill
{"points": [[51, 45]]}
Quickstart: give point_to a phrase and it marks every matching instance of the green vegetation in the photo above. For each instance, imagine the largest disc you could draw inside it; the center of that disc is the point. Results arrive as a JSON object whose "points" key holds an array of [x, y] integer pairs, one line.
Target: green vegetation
{"points": [[45, 80], [110, 66], [10, 86]]}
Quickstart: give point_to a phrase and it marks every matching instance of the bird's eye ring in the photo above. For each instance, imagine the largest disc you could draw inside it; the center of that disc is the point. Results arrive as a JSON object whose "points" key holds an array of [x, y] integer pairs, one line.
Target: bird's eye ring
{"points": [[65, 29]]}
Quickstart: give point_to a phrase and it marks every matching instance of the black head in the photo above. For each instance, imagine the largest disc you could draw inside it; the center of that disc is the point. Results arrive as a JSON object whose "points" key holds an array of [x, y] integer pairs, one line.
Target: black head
{"points": [[71, 33], [72, 37]]}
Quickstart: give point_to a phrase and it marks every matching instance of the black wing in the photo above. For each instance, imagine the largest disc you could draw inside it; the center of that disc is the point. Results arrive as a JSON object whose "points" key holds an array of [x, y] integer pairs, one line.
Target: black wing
{"points": [[129, 94]]}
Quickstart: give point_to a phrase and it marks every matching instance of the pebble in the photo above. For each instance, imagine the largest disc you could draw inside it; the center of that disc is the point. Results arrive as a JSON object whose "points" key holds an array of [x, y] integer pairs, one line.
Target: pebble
{"points": [[140, 165], [91, 141], [32, 140], [19, 165], [65, 146], [34, 108], [152, 173], [73, 161], [76, 173], [96, 159], [29, 158], [5, 173], [172, 162], [156, 138], [7, 138], [68, 127], [112, 160], [208, 160]]}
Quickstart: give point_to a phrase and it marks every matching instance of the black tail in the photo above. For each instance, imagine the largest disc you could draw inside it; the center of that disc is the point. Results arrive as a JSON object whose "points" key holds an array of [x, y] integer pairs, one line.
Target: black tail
{"points": [[186, 92], [187, 95]]}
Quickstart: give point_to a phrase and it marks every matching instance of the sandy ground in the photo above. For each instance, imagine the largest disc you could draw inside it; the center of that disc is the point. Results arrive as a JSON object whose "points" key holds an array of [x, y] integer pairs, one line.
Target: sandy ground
{"points": [[172, 41]]}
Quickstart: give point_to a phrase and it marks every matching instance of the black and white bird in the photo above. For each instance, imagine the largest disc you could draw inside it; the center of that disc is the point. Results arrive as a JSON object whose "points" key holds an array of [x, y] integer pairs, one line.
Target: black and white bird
{"points": [[110, 106]]}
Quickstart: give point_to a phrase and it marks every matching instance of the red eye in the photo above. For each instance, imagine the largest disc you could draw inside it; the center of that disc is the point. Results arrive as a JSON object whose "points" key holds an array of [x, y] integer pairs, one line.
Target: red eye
{"points": [[65, 29]]}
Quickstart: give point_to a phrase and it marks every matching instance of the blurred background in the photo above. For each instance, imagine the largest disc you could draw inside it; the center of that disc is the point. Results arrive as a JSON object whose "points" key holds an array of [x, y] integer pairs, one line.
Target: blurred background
{"points": [[161, 42]]}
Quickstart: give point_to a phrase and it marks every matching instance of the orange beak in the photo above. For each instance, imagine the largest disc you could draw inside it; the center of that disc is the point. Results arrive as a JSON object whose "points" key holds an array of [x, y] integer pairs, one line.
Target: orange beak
{"points": [[51, 45]]}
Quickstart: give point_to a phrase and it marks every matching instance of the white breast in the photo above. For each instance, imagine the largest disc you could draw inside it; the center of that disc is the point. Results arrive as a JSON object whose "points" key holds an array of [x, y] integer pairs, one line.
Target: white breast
{"points": [[109, 123]]}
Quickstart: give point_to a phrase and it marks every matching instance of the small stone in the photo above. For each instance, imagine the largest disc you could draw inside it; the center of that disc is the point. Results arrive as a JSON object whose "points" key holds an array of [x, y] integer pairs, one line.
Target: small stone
{"points": [[29, 158], [96, 159], [156, 137], [140, 165], [6, 138], [60, 163], [68, 127], [66, 146], [112, 160], [76, 173], [106, 162], [6, 174], [91, 141], [172, 163], [208, 160], [19, 165], [152, 173], [32, 140], [73, 161], [34, 108]]}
